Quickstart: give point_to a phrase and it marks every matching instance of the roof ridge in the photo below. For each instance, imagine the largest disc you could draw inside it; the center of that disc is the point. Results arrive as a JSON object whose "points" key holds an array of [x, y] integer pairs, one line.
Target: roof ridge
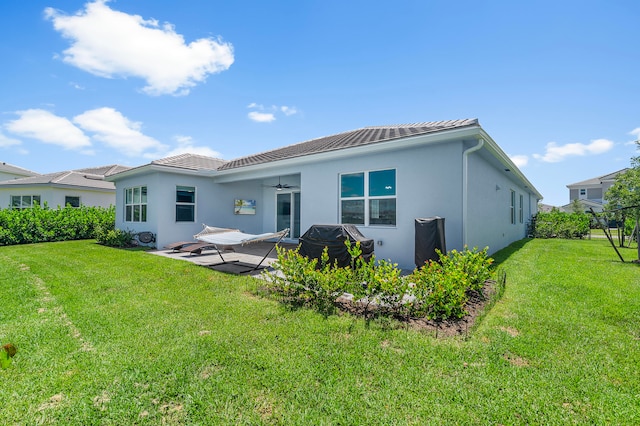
{"points": [[348, 139], [184, 155], [22, 169], [462, 121], [60, 176]]}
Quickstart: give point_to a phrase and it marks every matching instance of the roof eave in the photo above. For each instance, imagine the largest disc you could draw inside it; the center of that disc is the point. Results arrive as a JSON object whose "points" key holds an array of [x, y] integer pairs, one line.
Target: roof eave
{"points": [[148, 168], [501, 156], [56, 185], [393, 144]]}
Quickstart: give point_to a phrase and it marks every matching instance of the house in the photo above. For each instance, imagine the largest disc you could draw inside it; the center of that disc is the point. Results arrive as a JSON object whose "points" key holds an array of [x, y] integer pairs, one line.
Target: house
{"points": [[75, 187], [378, 178], [590, 192], [8, 172]]}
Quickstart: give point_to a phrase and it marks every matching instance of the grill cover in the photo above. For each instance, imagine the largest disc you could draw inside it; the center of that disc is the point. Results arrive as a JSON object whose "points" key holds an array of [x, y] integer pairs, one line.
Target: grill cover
{"points": [[313, 242], [429, 237]]}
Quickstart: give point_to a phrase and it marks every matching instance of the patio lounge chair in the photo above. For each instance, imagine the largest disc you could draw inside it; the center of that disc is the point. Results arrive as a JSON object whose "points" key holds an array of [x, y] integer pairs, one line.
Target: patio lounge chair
{"points": [[180, 244], [198, 247]]}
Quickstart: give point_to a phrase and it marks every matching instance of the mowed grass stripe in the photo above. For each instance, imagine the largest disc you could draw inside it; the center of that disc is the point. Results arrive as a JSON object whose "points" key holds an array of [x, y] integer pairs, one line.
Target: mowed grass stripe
{"points": [[181, 344]]}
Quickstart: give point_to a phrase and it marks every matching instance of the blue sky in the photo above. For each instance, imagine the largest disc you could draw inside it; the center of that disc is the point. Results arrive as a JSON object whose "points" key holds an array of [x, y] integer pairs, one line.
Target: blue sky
{"points": [[555, 83]]}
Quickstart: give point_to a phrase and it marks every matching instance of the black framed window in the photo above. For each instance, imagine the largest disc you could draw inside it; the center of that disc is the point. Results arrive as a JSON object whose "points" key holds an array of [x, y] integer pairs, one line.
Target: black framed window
{"points": [[72, 201], [185, 203]]}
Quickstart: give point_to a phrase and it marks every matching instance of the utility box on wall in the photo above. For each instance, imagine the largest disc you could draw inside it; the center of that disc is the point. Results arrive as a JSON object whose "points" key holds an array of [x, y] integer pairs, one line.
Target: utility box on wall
{"points": [[429, 237]]}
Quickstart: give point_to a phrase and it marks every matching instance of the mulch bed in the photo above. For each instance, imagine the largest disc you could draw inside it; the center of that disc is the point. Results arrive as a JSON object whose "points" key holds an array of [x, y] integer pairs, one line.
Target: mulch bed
{"points": [[476, 306]]}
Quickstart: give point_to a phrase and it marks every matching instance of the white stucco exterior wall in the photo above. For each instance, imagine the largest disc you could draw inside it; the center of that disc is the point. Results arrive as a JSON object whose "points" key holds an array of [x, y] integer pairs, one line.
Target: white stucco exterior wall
{"points": [[161, 202], [55, 196], [428, 182]]}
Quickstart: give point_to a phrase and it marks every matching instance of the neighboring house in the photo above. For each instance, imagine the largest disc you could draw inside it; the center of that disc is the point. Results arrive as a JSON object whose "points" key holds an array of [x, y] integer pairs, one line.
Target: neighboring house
{"points": [[86, 187], [378, 178], [8, 172], [545, 208], [590, 192]]}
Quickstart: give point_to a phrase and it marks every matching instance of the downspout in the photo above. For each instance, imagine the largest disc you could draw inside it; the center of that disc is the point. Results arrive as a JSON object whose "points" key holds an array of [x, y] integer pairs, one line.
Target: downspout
{"points": [[465, 191]]}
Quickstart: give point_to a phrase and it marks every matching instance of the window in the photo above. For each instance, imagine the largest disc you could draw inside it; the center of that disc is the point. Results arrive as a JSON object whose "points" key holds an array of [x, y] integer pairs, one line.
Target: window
{"points": [[72, 201], [521, 211], [185, 203], [20, 202], [135, 204], [583, 193], [368, 198], [513, 207]]}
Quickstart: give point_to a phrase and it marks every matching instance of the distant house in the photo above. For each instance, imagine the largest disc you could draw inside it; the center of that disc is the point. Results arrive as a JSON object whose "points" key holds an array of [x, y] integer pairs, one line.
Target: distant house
{"points": [[8, 172], [378, 178], [86, 187], [545, 207], [590, 192]]}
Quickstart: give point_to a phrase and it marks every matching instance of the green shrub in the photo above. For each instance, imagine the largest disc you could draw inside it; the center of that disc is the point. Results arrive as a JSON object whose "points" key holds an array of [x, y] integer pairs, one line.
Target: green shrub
{"points": [[42, 224], [557, 224], [114, 237], [438, 293], [438, 290], [441, 289]]}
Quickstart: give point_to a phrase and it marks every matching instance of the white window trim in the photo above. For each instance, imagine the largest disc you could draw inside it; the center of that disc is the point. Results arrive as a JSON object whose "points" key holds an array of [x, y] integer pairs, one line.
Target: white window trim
{"points": [[367, 198], [132, 204], [21, 197], [512, 202], [521, 209]]}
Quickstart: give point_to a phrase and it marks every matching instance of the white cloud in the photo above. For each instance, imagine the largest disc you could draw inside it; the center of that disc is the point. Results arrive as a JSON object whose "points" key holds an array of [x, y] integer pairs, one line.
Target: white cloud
{"points": [[288, 110], [186, 146], [555, 153], [109, 43], [261, 117], [48, 128], [267, 117], [519, 160], [6, 141], [116, 131], [635, 132]]}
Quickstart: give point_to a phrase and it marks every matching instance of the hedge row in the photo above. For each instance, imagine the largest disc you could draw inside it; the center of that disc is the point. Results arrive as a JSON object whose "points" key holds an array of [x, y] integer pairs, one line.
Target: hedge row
{"points": [[42, 224], [557, 224]]}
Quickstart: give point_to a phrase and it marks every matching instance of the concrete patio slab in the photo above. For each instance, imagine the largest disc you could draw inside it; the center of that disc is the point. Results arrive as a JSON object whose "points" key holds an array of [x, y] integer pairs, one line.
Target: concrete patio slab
{"points": [[239, 261]]}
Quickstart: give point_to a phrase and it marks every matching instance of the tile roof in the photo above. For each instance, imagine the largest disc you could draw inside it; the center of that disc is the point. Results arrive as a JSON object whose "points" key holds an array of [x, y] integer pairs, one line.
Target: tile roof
{"points": [[92, 177], [8, 168], [191, 161], [350, 139], [104, 170]]}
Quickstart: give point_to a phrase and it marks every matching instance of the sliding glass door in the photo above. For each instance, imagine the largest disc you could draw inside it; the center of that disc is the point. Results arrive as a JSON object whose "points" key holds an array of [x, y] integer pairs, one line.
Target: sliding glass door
{"points": [[288, 213]]}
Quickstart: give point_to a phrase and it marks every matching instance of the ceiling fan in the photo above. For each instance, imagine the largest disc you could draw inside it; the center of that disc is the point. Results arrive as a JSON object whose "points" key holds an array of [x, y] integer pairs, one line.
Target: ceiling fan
{"points": [[281, 186]]}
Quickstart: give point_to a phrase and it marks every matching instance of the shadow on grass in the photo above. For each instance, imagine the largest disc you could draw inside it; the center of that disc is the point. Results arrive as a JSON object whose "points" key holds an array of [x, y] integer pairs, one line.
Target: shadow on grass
{"points": [[502, 255]]}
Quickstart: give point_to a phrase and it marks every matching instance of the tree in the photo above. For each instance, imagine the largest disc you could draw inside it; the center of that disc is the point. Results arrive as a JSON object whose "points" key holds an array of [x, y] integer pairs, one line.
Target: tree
{"points": [[623, 197], [576, 206]]}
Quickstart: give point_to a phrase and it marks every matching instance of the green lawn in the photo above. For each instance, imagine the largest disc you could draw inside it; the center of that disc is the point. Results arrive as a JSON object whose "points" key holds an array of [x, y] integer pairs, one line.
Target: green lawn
{"points": [[108, 336]]}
